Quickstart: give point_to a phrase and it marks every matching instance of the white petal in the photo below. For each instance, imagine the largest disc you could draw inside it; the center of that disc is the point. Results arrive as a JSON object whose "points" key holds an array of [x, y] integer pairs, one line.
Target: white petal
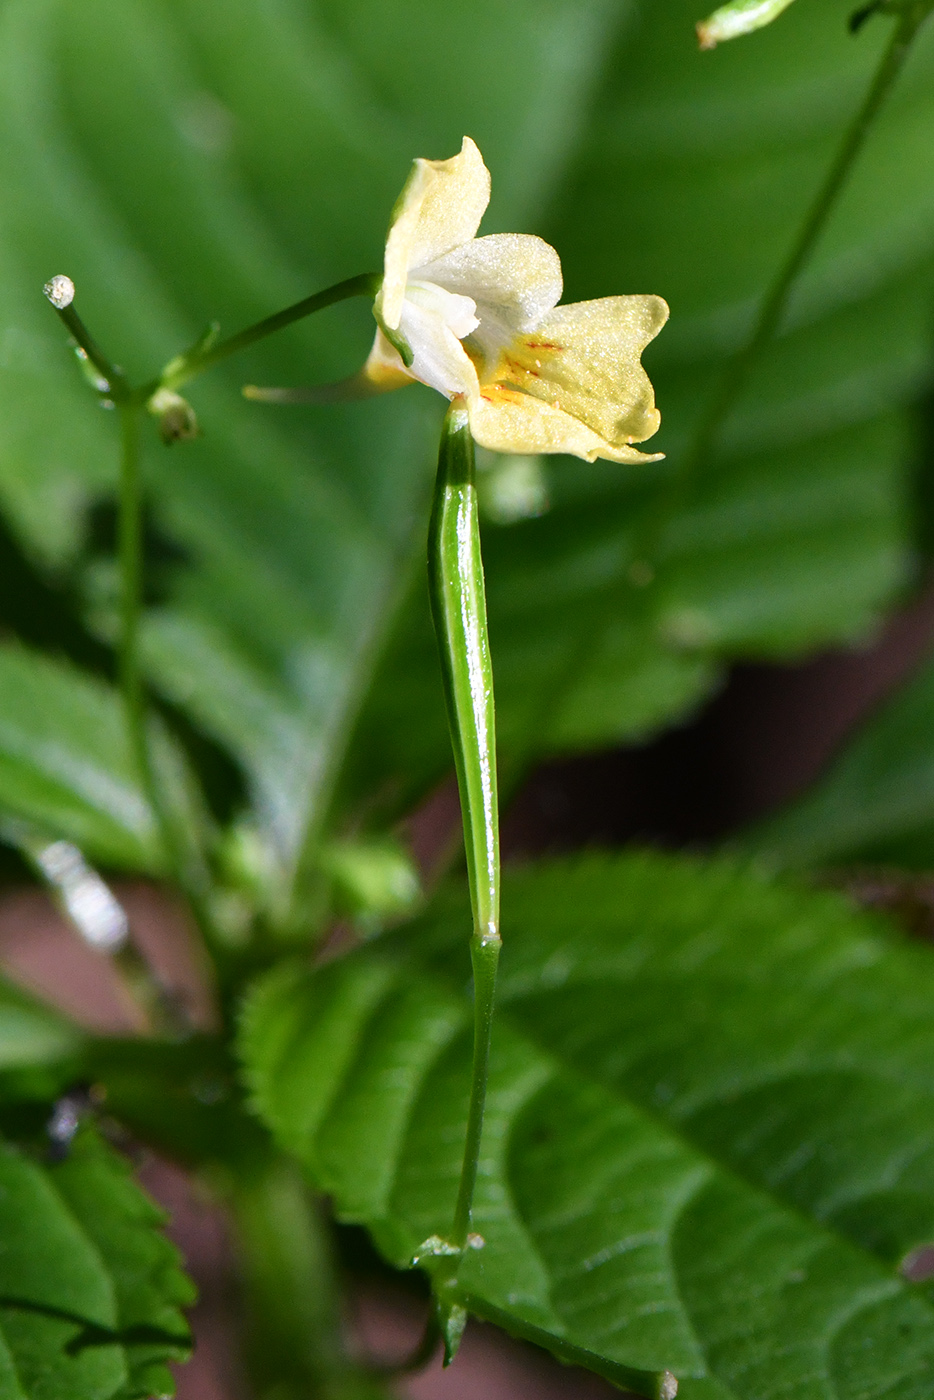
{"points": [[440, 207], [440, 360], [458, 313], [515, 271]]}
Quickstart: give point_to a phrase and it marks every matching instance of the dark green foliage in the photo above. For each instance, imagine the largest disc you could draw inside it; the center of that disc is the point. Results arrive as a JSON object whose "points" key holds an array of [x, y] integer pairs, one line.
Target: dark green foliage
{"points": [[90, 1291], [66, 768], [708, 1143], [296, 535]]}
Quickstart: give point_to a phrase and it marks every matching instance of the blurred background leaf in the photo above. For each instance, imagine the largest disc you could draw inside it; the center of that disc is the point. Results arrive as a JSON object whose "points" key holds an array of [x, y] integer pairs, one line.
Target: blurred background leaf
{"points": [[186, 162], [876, 801], [690, 179], [66, 767]]}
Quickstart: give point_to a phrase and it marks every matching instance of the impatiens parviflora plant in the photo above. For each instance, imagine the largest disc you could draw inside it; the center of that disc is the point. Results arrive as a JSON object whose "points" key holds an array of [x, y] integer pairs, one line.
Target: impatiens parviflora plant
{"points": [[477, 319]]}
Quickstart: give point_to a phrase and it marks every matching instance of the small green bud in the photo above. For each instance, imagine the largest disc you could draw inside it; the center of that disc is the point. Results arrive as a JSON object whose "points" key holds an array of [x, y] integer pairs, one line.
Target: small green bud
{"points": [[737, 18], [374, 880], [177, 420]]}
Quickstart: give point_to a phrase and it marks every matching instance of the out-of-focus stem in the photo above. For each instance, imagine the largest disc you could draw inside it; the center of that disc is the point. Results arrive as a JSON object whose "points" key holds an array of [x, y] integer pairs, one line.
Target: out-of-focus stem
{"points": [[293, 1337], [773, 308]]}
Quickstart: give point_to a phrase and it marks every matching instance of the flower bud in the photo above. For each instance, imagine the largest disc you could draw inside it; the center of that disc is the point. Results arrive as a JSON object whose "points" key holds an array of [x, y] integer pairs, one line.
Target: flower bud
{"points": [[737, 18], [177, 420]]}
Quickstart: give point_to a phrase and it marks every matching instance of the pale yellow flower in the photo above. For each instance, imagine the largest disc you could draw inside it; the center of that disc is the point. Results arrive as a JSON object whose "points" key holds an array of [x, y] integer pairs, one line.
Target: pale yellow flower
{"points": [[479, 318]]}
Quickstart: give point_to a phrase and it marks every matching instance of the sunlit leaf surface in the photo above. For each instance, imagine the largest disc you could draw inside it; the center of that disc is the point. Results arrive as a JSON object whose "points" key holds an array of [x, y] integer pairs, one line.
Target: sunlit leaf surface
{"points": [[708, 1143]]}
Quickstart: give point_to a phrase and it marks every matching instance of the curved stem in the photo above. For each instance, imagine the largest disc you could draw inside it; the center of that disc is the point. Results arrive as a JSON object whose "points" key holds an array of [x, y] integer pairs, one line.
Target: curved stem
{"points": [[776, 301], [458, 604], [185, 367]]}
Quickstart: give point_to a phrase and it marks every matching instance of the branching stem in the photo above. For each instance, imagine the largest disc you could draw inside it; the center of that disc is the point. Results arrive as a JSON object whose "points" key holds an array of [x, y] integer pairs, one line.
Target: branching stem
{"points": [[130, 402], [194, 362]]}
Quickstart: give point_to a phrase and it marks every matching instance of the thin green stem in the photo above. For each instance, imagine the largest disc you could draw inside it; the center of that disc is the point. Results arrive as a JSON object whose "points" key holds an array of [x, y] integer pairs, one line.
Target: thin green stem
{"points": [[459, 610], [113, 384], [130, 561], [129, 555], [185, 367], [116, 381], [484, 957], [165, 1013], [775, 305], [291, 1290]]}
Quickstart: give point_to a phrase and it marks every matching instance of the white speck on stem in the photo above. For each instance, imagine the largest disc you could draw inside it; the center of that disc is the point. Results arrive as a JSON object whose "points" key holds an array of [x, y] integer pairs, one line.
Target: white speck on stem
{"points": [[60, 291]]}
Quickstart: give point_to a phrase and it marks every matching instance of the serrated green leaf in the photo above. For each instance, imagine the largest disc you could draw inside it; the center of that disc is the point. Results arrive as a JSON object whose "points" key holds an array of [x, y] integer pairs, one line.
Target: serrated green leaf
{"points": [[90, 1290], [707, 1146]]}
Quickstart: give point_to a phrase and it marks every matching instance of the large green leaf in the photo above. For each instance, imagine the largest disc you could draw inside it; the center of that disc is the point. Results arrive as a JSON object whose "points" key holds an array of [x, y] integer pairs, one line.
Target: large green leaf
{"points": [[66, 766], [90, 1290], [708, 1143], [185, 160]]}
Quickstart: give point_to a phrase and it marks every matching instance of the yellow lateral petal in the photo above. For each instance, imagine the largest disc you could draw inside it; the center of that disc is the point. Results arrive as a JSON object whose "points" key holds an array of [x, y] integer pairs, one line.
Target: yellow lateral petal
{"points": [[440, 207], [505, 420], [584, 359]]}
